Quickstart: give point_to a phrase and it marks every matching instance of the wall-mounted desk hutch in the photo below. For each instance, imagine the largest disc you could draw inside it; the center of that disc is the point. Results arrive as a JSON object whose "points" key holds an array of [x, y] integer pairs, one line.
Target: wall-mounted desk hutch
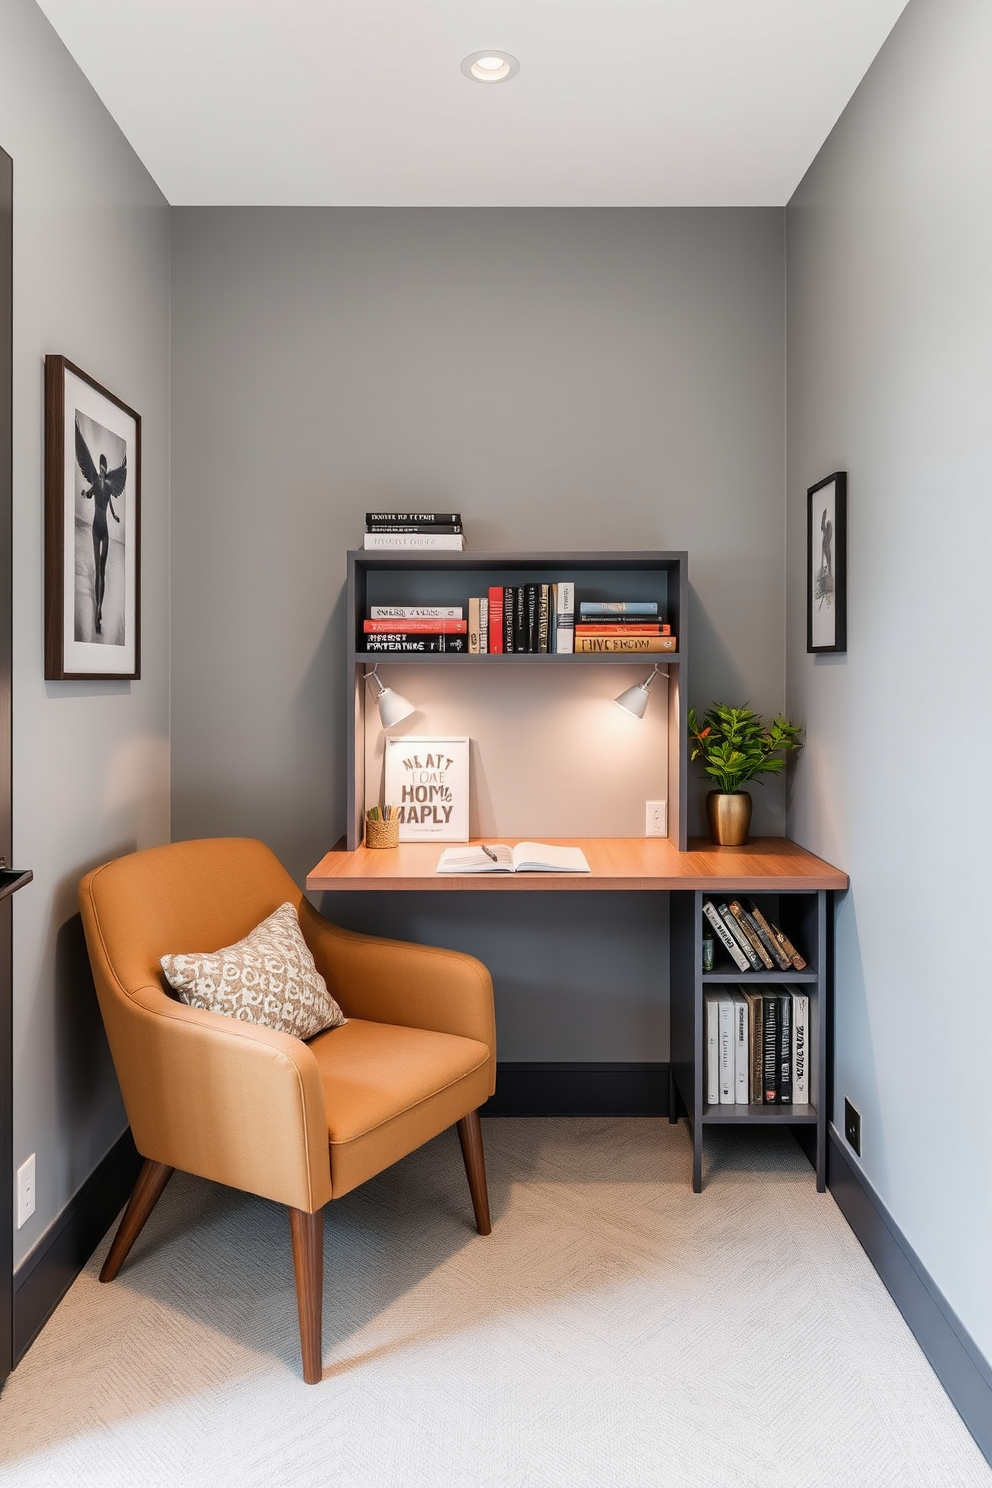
{"points": [[793, 887]]}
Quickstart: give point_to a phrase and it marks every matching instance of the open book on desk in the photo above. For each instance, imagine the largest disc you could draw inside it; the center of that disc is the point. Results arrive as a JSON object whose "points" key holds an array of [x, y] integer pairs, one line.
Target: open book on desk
{"points": [[526, 857]]}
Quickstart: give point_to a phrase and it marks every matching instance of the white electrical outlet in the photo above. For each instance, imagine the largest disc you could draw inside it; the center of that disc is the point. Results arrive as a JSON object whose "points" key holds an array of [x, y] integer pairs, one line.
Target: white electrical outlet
{"points": [[656, 818], [25, 1191]]}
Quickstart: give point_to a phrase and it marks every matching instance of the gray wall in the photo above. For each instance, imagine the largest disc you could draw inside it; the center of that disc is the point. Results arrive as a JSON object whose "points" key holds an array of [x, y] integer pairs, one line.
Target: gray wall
{"points": [[91, 280], [890, 378], [586, 379]]}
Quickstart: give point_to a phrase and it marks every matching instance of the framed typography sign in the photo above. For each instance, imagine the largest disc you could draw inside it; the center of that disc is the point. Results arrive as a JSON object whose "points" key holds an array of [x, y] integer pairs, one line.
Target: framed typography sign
{"points": [[426, 782]]}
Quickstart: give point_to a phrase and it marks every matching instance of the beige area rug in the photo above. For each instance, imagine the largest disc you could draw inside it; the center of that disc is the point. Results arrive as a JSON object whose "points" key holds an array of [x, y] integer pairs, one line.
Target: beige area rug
{"points": [[615, 1330]]}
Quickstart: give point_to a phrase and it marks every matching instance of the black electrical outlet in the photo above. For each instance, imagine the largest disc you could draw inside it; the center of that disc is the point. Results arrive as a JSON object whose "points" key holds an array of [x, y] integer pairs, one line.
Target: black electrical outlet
{"points": [[852, 1126]]}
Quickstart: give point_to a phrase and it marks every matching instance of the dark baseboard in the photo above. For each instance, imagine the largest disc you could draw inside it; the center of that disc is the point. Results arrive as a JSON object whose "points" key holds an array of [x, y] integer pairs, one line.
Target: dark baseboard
{"points": [[49, 1271], [579, 1090], [957, 1363]]}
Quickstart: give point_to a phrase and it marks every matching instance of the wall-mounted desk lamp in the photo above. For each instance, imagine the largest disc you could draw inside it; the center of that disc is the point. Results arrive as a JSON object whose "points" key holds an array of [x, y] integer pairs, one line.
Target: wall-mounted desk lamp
{"points": [[635, 700], [393, 706]]}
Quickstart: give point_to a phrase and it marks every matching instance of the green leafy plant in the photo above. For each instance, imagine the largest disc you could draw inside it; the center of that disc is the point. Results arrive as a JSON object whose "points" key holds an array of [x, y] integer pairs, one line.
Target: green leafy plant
{"points": [[736, 745]]}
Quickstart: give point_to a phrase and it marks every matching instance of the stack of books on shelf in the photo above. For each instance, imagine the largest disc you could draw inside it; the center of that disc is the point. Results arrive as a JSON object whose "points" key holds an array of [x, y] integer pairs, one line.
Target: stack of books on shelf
{"points": [[530, 618], [753, 942], [534, 619], [757, 1046], [413, 628], [414, 532], [622, 625]]}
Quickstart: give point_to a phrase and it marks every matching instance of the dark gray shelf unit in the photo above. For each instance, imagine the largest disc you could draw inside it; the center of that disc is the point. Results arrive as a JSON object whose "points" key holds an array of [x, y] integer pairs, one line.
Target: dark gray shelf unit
{"points": [[804, 915], [398, 576]]}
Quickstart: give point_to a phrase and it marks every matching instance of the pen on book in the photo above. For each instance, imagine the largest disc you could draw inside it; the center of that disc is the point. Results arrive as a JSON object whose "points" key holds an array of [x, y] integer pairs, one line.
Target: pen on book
{"points": [[489, 852]]}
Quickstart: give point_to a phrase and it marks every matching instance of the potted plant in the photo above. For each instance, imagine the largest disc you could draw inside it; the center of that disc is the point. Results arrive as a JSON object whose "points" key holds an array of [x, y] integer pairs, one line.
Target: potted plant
{"points": [[736, 746]]}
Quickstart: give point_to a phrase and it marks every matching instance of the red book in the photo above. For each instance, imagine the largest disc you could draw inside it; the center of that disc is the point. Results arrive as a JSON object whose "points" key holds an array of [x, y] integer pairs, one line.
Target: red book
{"points": [[591, 628], [496, 619], [415, 627]]}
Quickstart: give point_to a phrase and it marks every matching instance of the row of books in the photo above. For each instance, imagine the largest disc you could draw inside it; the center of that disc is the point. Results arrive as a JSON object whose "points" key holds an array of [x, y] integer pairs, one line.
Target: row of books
{"points": [[757, 1046], [414, 531], [753, 941], [528, 618]]}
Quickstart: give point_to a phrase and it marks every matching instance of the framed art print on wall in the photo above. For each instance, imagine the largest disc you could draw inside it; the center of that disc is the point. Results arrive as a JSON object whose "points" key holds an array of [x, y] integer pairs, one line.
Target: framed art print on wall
{"points": [[92, 524], [826, 564], [426, 780]]}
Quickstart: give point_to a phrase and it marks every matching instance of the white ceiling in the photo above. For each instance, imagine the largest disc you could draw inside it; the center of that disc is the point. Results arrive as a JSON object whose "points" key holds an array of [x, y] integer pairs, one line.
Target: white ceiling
{"points": [[362, 102]]}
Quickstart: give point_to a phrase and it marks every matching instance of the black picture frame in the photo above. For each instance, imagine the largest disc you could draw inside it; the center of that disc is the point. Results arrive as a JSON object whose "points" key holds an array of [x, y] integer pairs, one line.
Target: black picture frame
{"points": [[826, 564], [92, 529]]}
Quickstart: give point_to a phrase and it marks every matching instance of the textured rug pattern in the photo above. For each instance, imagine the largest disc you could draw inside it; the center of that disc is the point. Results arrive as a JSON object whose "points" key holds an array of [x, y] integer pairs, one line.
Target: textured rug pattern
{"points": [[615, 1330]]}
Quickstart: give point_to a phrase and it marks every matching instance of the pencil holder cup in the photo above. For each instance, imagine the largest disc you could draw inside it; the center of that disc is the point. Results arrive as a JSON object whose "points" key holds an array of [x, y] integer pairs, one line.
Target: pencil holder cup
{"points": [[382, 833]]}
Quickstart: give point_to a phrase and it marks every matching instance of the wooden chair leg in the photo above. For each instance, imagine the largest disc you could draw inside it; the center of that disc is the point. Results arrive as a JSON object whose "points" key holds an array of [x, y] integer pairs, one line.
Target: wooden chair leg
{"points": [[307, 1231], [470, 1136], [144, 1196]]}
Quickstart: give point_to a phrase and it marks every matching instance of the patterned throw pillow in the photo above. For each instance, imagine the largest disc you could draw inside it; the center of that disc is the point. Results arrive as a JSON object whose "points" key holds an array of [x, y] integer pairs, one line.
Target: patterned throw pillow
{"points": [[269, 977]]}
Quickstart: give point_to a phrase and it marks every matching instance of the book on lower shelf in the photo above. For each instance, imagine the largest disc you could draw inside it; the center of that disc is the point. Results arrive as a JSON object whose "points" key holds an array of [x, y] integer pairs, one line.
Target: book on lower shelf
{"points": [[525, 857], [750, 938]]}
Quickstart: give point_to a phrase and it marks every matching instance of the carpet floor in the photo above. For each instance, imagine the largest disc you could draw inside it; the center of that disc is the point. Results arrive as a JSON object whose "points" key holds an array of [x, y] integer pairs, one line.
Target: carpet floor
{"points": [[615, 1330]]}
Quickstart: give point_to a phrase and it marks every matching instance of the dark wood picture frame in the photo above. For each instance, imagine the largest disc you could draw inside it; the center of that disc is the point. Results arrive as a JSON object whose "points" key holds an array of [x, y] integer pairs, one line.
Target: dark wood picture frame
{"points": [[92, 529], [826, 564]]}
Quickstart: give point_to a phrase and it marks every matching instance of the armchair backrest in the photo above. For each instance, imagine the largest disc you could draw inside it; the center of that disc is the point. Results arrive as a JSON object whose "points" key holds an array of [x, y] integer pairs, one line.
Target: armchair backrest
{"points": [[186, 896]]}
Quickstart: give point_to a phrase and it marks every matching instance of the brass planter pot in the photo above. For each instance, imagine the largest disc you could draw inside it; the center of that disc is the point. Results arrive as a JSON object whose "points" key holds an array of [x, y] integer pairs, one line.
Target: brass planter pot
{"points": [[729, 817]]}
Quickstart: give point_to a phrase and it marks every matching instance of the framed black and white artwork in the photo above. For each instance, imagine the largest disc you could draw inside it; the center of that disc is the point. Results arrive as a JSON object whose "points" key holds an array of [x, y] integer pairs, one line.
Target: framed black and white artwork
{"points": [[92, 512], [826, 564], [426, 780]]}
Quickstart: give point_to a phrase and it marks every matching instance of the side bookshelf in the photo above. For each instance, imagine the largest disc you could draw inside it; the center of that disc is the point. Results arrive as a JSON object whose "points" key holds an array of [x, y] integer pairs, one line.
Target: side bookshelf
{"points": [[401, 577], [804, 915]]}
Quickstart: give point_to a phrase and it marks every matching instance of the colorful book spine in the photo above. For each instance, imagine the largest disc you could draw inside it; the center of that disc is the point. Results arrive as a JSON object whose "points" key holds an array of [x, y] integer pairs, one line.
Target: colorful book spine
{"points": [[530, 591], [412, 643], [788, 949], [496, 619], [785, 1048], [429, 519], [599, 628], [800, 1047], [641, 644], [416, 612], [741, 1051], [520, 618], [770, 1047], [414, 527], [726, 939], [618, 607], [727, 1070], [756, 1024], [750, 934], [750, 955], [762, 929], [484, 624], [543, 601], [474, 626], [564, 618], [711, 1003], [415, 627], [413, 541]]}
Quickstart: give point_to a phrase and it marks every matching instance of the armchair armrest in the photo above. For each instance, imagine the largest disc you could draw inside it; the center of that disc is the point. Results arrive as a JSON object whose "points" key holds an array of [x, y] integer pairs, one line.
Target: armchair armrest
{"points": [[234, 1102], [396, 981]]}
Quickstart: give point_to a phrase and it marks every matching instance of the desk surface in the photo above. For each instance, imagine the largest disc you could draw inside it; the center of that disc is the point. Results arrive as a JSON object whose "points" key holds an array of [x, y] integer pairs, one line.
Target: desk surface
{"points": [[766, 863]]}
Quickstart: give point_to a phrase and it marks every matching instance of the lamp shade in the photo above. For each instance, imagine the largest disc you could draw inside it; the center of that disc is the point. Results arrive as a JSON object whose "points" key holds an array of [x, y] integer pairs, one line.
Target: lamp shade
{"points": [[394, 707], [635, 700]]}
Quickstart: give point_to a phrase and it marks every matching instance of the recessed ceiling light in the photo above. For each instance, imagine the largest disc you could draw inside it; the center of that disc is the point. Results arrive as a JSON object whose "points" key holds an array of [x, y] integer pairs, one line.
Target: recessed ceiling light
{"points": [[490, 67]]}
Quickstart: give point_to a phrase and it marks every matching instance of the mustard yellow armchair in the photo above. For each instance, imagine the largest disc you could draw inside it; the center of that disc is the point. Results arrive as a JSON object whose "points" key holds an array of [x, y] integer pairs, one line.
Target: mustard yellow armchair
{"points": [[295, 1122]]}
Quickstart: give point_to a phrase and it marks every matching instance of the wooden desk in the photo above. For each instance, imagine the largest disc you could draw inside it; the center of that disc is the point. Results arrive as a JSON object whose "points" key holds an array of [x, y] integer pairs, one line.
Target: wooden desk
{"points": [[764, 865], [795, 886]]}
